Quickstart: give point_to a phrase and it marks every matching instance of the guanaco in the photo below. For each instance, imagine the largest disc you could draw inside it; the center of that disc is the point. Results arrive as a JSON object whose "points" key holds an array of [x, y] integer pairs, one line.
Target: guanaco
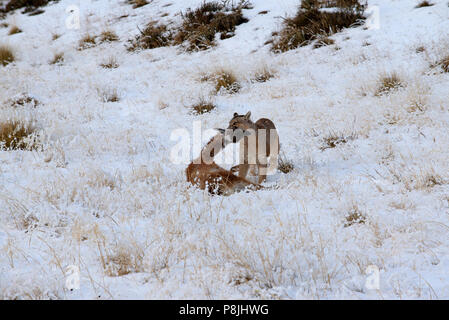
{"points": [[205, 173], [258, 142]]}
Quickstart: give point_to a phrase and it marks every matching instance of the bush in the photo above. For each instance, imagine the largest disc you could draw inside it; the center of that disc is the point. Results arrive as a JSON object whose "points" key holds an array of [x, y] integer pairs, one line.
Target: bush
{"points": [[312, 23], [200, 26], [6, 55]]}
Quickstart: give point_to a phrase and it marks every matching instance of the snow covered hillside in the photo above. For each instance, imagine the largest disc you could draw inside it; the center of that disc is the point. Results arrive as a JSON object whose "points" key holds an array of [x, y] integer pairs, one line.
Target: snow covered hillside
{"points": [[367, 199]]}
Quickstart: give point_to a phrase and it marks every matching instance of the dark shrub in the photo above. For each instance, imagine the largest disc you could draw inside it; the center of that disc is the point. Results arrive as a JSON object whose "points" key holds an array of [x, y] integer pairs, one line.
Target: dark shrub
{"points": [[200, 26], [29, 5], [153, 36], [311, 22]]}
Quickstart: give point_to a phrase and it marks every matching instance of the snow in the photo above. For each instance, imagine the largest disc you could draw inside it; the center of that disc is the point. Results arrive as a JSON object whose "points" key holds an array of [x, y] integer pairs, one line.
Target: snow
{"points": [[104, 193]]}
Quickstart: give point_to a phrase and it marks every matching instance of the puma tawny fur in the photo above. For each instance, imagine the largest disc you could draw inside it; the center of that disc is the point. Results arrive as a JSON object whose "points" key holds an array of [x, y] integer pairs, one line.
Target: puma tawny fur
{"points": [[205, 173]]}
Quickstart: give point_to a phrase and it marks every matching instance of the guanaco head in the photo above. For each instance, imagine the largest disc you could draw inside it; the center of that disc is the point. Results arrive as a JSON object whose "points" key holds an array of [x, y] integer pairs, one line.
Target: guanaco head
{"points": [[239, 127]]}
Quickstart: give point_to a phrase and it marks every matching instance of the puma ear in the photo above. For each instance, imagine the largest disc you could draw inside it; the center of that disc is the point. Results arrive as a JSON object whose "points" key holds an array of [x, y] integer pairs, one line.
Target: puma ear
{"points": [[222, 131], [235, 114], [248, 115]]}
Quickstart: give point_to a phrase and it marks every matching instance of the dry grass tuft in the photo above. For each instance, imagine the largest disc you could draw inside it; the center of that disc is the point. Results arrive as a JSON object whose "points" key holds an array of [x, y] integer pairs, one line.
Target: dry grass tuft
{"points": [[263, 75], [16, 135], [14, 30], [417, 178], [444, 63], [6, 55], [203, 107], [354, 216], [366, 44], [101, 179], [432, 179], [153, 36], [285, 165], [55, 36], [423, 4], [226, 81], [138, 3], [108, 36], [416, 105], [111, 63], [23, 100], [88, 41], [423, 180], [311, 22], [58, 58], [110, 95], [388, 84], [200, 26], [334, 139], [420, 49], [123, 262]]}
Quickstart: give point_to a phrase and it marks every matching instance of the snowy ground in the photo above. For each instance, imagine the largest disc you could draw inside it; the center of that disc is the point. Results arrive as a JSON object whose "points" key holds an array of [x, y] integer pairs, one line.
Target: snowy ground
{"points": [[105, 197]]}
